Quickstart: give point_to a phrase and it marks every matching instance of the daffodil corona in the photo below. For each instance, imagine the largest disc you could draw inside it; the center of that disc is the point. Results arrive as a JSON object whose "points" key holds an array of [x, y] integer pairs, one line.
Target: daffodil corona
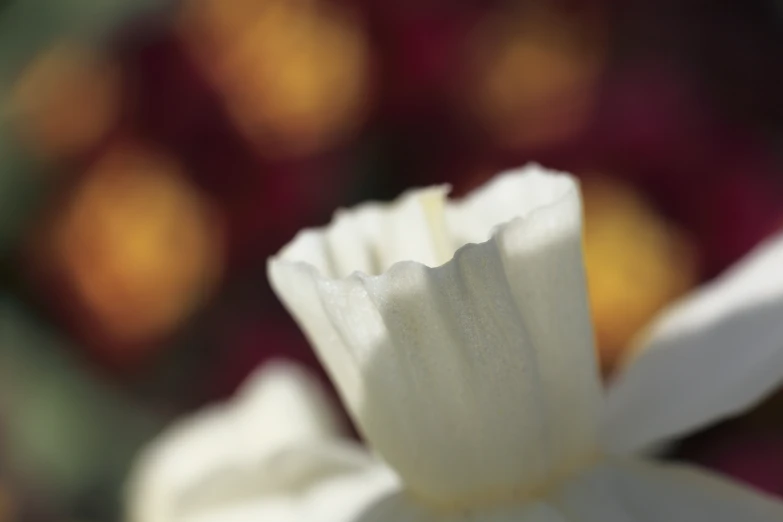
{"points": [[458, 336]]}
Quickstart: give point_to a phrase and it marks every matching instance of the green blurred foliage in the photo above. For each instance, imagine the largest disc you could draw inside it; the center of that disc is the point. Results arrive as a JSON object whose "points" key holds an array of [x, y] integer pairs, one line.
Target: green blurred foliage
{"points": [[65, 428]]}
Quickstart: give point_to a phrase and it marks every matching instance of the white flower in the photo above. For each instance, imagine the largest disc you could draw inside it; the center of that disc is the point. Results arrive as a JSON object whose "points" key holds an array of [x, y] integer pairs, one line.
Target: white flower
{"points": [[473, 376]]}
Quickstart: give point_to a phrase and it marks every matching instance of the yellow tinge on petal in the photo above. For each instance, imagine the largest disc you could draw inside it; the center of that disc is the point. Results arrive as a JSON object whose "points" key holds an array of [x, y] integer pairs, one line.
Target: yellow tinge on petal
{"points": [[434, 205]]}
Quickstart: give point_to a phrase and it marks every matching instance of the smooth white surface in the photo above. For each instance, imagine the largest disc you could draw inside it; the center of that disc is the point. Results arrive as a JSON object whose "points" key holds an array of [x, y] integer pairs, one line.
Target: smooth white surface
{"points": [[485, 363], [714, 354], [223, 452], [628, 491]]}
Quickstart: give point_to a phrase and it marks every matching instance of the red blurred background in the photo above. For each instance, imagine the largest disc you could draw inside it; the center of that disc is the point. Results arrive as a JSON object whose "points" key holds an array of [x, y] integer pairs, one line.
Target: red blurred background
{"points": [[154, 154]]}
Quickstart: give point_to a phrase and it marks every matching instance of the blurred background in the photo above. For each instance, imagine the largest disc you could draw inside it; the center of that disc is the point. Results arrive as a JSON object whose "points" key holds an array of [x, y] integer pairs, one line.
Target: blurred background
{"points": [[154, 153]]}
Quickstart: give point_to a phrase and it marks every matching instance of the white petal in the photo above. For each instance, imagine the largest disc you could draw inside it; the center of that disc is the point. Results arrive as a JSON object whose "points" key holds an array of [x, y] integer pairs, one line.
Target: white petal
{"points": [[632, 491], [651, 492], [508, 195], [485, 363], [340, 496], [374, 236], [713, 355], [372, 494], [224, 450]]}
